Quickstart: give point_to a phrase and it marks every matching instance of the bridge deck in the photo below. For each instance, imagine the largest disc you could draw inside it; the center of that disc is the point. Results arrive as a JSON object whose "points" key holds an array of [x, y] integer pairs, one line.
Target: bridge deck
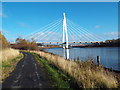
{"points": [[73, 42]]}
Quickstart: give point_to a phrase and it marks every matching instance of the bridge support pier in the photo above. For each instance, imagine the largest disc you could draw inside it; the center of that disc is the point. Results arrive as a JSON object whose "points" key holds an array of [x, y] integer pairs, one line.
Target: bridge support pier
{"points": [[65, 33]]}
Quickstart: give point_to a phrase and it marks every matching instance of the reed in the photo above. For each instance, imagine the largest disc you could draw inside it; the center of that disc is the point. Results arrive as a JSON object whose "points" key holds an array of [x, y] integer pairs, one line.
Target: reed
{"points": [[87, 74], [8, 53], [8, 60]]}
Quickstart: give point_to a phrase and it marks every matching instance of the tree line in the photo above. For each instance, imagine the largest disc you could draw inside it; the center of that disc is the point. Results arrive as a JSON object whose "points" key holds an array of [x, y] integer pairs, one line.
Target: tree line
{"points": [[108, 43], [24, 44], [3, 42], [20, 44]]}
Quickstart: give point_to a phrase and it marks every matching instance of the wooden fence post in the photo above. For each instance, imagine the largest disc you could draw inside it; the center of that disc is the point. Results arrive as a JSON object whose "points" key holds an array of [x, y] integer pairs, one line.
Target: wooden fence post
{"points": [[98, 60]]}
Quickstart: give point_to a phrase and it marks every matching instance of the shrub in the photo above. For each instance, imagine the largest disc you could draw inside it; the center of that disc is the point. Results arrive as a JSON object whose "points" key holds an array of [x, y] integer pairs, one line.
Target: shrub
{"points": [[25, 44], [3, 42]]}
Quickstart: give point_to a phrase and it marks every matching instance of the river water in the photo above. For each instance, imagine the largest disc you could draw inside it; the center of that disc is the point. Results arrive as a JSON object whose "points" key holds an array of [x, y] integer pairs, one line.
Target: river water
{"points": [[108, 55]]}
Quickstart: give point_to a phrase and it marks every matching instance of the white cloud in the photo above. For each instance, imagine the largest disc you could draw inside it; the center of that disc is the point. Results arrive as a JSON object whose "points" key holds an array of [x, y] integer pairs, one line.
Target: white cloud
{"points": [[22, 24], [112, 34], [97, 26], [3, 15], [4, 31]]}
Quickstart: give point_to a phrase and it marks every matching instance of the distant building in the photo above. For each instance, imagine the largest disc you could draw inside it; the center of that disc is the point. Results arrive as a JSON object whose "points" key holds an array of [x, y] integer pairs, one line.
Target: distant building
{"points": [[108, 41]]}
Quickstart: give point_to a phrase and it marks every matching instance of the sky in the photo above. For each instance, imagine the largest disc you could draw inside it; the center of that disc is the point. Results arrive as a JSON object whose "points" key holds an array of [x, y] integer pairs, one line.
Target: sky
{"points": [[22, 18], [60, 0]]}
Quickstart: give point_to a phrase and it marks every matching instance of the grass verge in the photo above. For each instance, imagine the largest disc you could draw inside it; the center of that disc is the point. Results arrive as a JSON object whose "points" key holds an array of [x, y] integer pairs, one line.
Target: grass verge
{"points": [[57, 77], [87, 74], [8, 53], [9, 65]]}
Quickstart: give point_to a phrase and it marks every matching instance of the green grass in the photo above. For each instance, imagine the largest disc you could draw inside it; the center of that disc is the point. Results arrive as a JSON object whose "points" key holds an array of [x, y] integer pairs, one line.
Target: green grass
{"points": [[60, 80], [9, 65], [85, 73]]}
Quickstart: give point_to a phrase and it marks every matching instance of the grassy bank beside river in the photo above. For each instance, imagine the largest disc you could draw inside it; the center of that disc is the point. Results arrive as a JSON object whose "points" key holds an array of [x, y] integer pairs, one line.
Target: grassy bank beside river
{"points": [[57, 77], [9, 58], [87, 74]]}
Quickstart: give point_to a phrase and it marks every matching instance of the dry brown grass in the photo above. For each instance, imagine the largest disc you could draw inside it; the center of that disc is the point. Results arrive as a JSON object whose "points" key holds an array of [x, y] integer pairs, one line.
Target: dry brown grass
{"points": [[8, 59], [87, 74], [8, 53]]}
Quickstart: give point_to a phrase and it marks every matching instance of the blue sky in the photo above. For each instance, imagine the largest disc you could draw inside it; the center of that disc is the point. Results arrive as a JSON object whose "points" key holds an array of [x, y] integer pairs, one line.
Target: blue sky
{"points": [[23, 18], [60, 1]]}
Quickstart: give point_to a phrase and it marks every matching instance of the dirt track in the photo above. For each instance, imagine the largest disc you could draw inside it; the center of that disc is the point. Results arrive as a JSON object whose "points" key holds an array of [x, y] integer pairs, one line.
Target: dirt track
{"points": [[27, 74]]}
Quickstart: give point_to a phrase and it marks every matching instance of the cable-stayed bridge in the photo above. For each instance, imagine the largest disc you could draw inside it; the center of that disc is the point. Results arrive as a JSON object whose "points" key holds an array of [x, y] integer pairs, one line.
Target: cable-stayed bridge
{"points": [[64, 31]]}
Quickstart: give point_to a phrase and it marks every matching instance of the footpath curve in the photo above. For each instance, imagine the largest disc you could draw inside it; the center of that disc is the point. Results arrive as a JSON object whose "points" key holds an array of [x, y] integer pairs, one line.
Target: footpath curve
{"points": [[27, 74]]}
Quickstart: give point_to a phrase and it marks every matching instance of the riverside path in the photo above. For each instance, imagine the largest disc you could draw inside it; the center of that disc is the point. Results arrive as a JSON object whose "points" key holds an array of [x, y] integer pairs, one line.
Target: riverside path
{"points": [[27, 74]]}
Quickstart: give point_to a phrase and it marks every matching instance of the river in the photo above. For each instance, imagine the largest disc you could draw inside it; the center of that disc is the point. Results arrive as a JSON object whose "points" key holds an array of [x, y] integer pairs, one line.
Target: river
{"points": [[108, 55]]}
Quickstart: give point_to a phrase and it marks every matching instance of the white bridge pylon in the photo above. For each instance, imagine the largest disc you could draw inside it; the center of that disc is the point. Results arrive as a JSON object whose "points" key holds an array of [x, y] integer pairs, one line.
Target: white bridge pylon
{"points": [[63, 30], [65, 33]]}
